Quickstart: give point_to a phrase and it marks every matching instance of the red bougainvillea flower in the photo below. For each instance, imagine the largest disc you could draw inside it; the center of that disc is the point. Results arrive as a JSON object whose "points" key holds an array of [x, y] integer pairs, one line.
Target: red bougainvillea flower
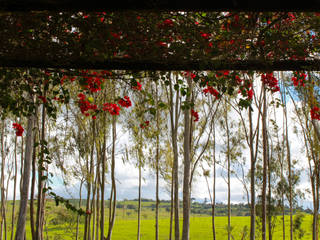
{"points": [[162, 44], [137, 87], [112, 108], [166, 23], [145, 124], [315, 113], [19, 129], [205, 35], [250, 93], [43, 99], [195, 115], [299, 79], [125, 102], [189, 74], [85, 105], [271, 82], [212, 91]]}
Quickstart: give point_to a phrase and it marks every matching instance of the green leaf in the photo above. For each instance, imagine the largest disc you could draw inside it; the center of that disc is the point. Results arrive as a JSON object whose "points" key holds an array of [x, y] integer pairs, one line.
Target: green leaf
{"points": [[153, 111]]}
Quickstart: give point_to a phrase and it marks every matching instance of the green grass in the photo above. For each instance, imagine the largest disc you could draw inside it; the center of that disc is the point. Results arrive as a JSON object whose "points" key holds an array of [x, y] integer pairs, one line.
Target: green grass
{"points": [[126, 225], [200, 228]]}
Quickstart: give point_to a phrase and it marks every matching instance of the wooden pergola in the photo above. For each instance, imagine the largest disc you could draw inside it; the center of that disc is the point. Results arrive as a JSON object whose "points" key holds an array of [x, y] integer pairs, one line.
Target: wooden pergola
{"points": [[160, 5]]}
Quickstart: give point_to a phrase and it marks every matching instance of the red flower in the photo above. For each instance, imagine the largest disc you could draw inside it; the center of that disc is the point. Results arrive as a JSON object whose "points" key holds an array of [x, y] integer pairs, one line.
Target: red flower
{"points": [[43, 99], [19, 129], [299, 79], [112, 108], [271, 82], [145, 124], [205, 35], [125, 102], [85, 105], [212, 91], [195, 115], [162, 44], [137, 87], [315, 113], [250, 94]]}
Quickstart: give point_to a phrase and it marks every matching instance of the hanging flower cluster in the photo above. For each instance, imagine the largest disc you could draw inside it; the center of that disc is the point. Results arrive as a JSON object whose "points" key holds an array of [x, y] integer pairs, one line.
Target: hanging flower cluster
{"points": [[299, 79], [195, 115], [112, 108], [315, 113], [125, 102], [188, 74], [85, 105], [271, 82], [19, 129], [136, 86], [212, 91], [245, 87]]}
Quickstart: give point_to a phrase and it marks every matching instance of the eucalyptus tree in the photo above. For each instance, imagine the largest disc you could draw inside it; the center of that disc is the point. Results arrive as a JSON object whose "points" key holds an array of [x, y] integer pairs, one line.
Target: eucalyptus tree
{"points": [[304, 98]]}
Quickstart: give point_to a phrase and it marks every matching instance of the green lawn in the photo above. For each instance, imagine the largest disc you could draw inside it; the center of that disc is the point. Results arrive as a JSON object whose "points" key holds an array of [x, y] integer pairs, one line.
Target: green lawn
{"points": [[200, 228], [61, 225]]}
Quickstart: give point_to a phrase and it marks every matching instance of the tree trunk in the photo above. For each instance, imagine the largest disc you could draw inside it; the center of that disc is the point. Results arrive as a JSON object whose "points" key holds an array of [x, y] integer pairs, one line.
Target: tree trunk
{"points": [[187, 167], [20, 232], [3, 163], [87, 223], [252, 180], [228, 171], [174, 120], [41, 182], [157, 170], [213, 204], [33, 182], [171, 205], [113, 179], [139, 202], [103, 185], [93, 208], [265, 161], [78, 217], [14, 188]]}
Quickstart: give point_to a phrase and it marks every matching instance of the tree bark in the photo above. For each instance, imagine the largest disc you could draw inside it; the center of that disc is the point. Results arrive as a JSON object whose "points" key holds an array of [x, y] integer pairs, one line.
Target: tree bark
{"points": [[187, 167], [252, 180], [20, 231], [14, 188], [174, 120], [33, 182], [113, 179], [265, 162], [139, 202], [157, 170], [213, 204], [103, 185], [228, 171]]}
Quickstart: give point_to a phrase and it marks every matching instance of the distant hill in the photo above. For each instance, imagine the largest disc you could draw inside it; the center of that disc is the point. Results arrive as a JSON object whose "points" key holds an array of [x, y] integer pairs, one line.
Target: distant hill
{"points": [[197, 208]]}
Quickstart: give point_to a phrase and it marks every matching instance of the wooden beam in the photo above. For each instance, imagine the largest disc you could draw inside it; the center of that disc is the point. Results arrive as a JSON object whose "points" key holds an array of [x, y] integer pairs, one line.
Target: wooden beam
{"points": [[282, 65], [172, 5]]}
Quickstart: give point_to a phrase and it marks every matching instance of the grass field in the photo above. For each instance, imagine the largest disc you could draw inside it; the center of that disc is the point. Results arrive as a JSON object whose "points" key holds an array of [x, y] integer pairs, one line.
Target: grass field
{"points": [[61, 225], [200, 228]]}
